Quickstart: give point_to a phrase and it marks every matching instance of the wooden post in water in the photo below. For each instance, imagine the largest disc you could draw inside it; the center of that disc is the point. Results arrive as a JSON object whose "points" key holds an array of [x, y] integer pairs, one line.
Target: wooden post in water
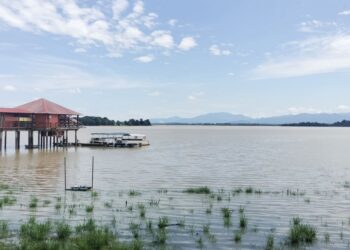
{"points": [[92, 173], [65, 173], [5, 140]]}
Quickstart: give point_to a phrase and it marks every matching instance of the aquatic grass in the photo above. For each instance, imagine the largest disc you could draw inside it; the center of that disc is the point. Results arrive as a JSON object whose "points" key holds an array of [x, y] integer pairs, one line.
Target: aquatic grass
{"points": [[154, 203], [243, 221], [162, 191], [160, 237], [108, 204], [181, 223], [200, 243], [46, 203], [63, 231], [206, 229], [94, 194], [149, 226], [4, 231], [237, 236], [58, 206], [237, 191], [198, 190], [134, 229], [35, 231], [300, 233], [241, 210], [89, 208], [8, 200], [142, 211], [295, 192], [226, 212], [270, 242], [327, 238], [72, 210], [163, 222], [33, 202], [208, 210], [218, 197], [134, 193], [4, 186], [249, 190]]}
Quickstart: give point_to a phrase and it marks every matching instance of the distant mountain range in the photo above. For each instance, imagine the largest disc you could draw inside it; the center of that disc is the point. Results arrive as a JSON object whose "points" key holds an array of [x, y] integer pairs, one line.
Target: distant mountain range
{"points": [[228, 118]]}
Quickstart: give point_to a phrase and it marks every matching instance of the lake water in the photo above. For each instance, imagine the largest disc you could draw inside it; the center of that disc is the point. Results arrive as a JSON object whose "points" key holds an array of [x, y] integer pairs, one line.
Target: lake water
{"points": [[314, 163]]}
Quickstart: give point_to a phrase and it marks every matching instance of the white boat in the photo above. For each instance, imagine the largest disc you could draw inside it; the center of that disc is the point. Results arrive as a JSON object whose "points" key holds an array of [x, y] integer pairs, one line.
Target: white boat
{"points": [[117, 140]]}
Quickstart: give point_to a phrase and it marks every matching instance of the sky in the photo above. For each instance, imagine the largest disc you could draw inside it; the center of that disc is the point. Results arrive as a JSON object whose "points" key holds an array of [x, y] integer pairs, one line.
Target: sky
{"points": [[155, 58]]}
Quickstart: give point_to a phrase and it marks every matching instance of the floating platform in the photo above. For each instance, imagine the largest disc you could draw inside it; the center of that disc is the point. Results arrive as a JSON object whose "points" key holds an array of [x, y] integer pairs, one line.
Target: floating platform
{"points": [[79, 188], [115, 145]]}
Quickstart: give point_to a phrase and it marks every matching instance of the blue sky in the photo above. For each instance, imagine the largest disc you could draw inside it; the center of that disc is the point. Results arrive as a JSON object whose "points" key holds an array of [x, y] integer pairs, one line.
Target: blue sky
{"points": [[156, 58]]}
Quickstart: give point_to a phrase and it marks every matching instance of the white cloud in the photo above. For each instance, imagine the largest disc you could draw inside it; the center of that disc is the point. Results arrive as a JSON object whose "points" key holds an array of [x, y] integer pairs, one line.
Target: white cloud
{"points": [[344, 13], [230, 74], [216, 51], [118, 7], [187, 43], [316, 55], [9, 88], [172, 22], [120, 26], [343, 108], [162, 38], [315, 26], [145, 59]]}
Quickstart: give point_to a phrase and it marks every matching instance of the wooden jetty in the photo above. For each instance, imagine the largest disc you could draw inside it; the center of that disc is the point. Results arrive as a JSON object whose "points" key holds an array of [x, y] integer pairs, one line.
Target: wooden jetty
{"points": [[49, 122]]}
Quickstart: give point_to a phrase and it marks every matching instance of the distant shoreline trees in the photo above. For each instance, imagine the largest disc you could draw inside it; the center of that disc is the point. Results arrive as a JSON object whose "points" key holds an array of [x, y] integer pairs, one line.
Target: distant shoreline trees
{"points": [[104, 121]]}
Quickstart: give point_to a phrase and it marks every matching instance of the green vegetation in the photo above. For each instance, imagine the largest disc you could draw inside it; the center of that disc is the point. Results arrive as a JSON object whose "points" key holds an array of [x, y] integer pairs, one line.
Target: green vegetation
{"points": [[3, 229], [104, 121], [33, 202], [301, 233], [198, 190], [89, 209], [269, 242], [243, 222], [237, 236], [134, 193], [163, 222]]}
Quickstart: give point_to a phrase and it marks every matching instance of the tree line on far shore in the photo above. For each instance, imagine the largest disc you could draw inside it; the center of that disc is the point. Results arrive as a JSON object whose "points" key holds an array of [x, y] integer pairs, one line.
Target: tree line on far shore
{"points": [[343, 123], [104, 121]]}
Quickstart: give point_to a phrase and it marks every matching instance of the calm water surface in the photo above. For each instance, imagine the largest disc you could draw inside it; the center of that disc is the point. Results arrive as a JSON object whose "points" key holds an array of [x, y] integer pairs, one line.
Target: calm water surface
{"points": [[314, 161]]}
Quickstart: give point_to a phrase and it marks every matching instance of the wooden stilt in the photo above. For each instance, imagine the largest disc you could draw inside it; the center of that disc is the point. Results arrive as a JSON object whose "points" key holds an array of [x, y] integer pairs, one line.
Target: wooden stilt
{"points": [[92, 172], [0, 140], [5, 140], [65, 173]]}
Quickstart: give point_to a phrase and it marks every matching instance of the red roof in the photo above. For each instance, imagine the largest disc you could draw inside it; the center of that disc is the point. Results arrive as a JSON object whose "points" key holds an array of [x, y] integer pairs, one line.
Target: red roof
{"points": [[14, 110], [43, 106]]}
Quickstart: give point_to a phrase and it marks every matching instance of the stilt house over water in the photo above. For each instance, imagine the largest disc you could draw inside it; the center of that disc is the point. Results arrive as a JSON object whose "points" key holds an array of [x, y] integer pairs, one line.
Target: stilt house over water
{"points": [[49, 121]]}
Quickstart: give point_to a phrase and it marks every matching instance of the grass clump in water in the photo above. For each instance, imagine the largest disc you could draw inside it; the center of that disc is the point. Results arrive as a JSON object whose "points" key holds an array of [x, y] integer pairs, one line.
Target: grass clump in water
{"points": [[63, 231], [198, 190], [142, 211], [301, 233], [89, 209], [237, 236], [33, 202], [269, 242], [163, 222], [33, 231], [249, 190], [4, 231], [243, 221], [226, 212], [134, 193]]}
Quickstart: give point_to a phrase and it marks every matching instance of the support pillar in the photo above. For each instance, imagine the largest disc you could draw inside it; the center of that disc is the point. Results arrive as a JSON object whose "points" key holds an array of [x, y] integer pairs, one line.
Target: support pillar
{"points": [[0, 140], [5, 140], [30, 139], [17, 139], [75, 138], [47, 139]]}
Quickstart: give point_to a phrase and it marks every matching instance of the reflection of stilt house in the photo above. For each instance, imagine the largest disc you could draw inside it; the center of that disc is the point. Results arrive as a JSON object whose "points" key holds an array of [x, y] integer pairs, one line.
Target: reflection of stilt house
{"points": [[50, 121]]}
